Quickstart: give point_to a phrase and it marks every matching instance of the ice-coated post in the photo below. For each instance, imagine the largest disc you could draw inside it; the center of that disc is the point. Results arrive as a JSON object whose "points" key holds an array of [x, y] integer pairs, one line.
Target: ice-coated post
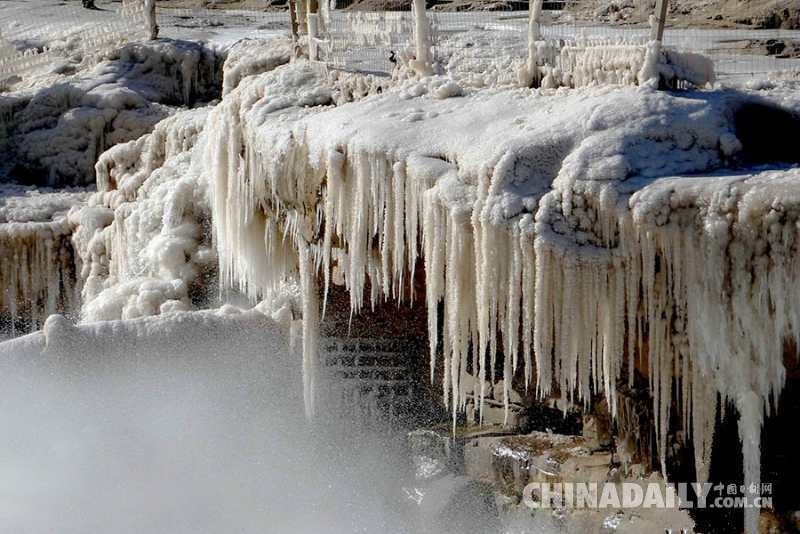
{"points": [[293, 18], [534, 34], [657, 26], [313, 26], [150, 19], [324, 18], [534, 20], [423, 40]]}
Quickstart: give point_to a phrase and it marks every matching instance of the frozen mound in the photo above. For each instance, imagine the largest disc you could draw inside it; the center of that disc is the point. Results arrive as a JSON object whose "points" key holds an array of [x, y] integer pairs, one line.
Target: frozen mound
{"points": [[55, 135], [541, 179], [253, 56], [148, 336], [38, 265], [371, 187], [145, 238], [142, 238]]}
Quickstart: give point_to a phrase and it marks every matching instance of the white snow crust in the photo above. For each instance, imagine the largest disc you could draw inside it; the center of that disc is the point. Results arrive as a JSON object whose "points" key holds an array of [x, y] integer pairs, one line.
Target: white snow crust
{"points": [[141, 238]]}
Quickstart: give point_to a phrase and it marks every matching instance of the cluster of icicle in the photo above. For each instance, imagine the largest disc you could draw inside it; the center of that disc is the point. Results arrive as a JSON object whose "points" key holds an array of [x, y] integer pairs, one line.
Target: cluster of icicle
{"points": [[38, 271], [367, 219], [700, 288], [512, 289]]}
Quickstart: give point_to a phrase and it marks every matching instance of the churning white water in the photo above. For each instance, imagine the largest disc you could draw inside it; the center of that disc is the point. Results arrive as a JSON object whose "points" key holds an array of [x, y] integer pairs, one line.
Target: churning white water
{"points": [[193, 423]]}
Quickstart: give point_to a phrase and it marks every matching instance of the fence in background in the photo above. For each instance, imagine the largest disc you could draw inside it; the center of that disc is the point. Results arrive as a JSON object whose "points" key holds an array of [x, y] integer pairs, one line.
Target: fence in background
{"points": [[488, 37], [491, 35], [35, 35]]}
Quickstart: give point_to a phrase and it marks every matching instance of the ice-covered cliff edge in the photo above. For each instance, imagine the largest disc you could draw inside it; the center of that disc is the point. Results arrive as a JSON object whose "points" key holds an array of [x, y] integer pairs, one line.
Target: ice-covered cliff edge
{"points": [[541, 218]]}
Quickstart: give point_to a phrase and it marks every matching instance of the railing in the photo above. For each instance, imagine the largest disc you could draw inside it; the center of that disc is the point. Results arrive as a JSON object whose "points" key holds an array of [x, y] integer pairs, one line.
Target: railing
{"points": [[487, 37]]}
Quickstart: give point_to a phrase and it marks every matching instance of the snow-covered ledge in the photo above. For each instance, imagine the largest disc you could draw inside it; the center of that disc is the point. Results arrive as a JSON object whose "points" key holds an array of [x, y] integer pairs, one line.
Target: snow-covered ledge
{"points": [[458, 179]]}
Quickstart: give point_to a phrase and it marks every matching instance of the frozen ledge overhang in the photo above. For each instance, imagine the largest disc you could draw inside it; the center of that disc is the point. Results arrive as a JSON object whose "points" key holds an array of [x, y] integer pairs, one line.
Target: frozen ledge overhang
{"points": [[362, 192]]}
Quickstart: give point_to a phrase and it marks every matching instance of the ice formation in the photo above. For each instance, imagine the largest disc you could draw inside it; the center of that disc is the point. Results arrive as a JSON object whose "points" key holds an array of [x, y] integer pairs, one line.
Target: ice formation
{"points": [[38, 266], [557, 228], [365, 191], [696, 275], [253, 56], [144, 238], [56, 135], [141, 239]]}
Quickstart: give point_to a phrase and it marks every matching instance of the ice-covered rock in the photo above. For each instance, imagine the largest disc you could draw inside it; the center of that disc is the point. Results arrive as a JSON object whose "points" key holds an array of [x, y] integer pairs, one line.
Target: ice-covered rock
{"points": [[519, 203], [142, 241], [56, 134]]}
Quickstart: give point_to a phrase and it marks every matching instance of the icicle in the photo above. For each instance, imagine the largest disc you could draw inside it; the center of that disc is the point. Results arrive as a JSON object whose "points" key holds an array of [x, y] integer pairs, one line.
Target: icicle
{"points": [[308, 281], [750, 407], [528, 290], [434, 268], [399, 229]]}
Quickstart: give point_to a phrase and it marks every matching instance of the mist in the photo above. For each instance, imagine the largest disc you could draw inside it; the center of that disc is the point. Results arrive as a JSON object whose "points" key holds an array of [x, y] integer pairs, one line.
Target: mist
{"points": [[190, 424]]}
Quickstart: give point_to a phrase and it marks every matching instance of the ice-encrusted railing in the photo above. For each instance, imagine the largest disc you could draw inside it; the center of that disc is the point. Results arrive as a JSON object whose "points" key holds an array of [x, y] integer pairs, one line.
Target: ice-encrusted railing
{"points": [[493, 38]]}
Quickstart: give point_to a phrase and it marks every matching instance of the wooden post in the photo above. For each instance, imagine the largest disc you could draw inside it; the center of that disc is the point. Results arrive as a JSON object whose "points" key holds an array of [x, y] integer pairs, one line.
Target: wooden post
{"points": [[302, 15], [657, 28], [150, 19], [293, 17], [313, 27]]}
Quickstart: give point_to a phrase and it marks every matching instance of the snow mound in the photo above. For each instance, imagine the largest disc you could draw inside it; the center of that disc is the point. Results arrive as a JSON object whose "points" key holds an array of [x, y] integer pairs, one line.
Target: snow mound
{"points": [[253, 56], [21, 204], [56, 135]]}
